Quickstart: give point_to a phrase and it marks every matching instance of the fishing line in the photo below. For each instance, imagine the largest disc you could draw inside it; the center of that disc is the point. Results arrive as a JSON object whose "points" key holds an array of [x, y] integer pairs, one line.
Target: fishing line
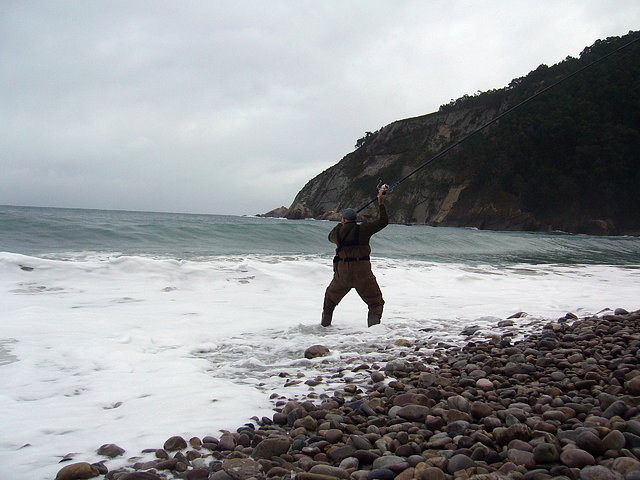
{"points": [[494, 120]]}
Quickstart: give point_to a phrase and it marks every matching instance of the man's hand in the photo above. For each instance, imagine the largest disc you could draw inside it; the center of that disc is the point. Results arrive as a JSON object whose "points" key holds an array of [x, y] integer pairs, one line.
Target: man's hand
{"points": [[381, 196]]}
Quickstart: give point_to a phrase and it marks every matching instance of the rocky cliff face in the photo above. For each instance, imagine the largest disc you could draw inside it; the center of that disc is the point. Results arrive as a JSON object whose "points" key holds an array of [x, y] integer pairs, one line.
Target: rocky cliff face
{"points": [[445, 194], [388, 155], [451, 192]]}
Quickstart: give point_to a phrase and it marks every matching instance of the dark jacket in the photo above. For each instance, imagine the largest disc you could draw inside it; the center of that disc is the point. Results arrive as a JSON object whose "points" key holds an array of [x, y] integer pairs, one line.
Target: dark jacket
{"points": [[346, 233]]}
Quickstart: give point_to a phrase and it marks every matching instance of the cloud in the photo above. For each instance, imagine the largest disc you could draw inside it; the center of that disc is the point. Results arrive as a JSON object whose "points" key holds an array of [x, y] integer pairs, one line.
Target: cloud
{"points": [[231, 107]]}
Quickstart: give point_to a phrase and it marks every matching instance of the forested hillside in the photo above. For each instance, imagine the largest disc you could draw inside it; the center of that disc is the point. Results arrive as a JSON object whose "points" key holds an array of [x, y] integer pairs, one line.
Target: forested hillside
{"points": [[568, 160]]}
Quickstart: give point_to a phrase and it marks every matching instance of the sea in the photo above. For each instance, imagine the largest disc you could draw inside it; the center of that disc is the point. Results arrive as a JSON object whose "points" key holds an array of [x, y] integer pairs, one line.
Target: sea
{"points": [[131, 327]]}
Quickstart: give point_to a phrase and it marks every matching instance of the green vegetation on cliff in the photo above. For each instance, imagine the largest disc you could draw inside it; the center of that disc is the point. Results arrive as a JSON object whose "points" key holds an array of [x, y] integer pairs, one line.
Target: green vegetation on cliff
{"points": [[568, 160], [574, 151]]}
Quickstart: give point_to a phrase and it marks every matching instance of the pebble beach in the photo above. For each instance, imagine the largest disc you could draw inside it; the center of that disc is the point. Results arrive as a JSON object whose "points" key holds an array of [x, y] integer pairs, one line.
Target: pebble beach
{"points": [[562, 402]]}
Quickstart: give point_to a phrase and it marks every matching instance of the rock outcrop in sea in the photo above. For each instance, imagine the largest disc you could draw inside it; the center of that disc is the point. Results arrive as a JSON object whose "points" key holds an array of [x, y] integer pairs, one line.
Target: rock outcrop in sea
{"points": [[280, 212], [563, 403]]}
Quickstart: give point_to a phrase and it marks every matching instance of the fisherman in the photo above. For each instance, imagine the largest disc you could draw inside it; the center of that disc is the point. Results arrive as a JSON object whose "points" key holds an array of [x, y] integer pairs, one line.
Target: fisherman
{"points": [[352, 265]]}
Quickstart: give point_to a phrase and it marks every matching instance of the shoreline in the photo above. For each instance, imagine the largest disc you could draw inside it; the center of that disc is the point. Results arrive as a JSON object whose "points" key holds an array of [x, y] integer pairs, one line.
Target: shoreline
{"points": [[562, 402]]}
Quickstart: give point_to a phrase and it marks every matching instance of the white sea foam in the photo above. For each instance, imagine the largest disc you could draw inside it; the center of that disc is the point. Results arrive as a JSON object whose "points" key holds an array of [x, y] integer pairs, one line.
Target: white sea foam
{"points": [[131, 350]]}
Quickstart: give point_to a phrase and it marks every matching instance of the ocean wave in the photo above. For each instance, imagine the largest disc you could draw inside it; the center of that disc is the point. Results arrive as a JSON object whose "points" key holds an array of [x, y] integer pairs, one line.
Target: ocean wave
{"points": [[69, 234]]}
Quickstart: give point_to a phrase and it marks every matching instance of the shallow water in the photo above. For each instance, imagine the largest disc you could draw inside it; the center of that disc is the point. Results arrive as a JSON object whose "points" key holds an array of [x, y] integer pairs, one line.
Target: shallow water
{"points": [[112, 333]]}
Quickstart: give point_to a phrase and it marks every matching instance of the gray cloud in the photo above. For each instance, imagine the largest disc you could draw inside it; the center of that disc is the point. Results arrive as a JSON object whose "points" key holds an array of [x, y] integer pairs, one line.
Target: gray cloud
{"points": [[230, 107]]}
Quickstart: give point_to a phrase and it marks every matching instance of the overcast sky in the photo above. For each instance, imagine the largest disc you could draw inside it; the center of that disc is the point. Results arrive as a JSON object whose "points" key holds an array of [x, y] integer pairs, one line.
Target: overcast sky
{"points": [[230, 107]]}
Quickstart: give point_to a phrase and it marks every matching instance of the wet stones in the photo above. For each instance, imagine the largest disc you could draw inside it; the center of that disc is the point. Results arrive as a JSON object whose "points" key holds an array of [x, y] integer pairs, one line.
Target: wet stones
{"points": [[227, 442], [272, 447], [328, 470], [397, 368], [316, 351], [242, 468], [633, 386], [561, 403], [175, 443], [480, 410], [590, 442], [414, 413], [545, 453], [574, 457], [110, 450], [77, 471], [459, 462]]}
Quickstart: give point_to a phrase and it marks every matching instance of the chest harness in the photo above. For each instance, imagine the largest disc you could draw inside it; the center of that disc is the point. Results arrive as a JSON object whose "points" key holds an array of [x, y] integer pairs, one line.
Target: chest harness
{"points": [[351, 242]]}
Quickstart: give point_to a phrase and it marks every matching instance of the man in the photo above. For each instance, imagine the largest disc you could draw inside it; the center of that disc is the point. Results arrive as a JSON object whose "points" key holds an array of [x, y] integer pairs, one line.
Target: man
{"points": [[352, 266]]}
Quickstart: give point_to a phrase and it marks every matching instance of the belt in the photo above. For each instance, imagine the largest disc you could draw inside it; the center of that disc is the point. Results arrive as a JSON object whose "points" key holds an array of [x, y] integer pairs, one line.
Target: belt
{"points": [[353, 259]]}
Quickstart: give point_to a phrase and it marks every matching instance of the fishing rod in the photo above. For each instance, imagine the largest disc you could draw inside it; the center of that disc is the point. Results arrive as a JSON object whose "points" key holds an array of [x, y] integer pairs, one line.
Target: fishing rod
{"points": [[389, 188]]}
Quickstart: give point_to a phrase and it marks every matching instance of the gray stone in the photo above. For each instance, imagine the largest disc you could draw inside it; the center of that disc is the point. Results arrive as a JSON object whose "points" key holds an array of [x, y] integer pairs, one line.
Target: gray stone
{"points": [[555, 415], [633, 426], [414, 413], [360, 443], [227, 442], [315, 351], [433, 423], [349, 462], [615, 409], [459, 403], [427, 379], [576, 458], [198, 474], [337, 454], [614, 440], [599, 472], [470, 330], [242, 468], [459, 427], [410, 399], [432, 473], [272, 447], [365, 457], [484, 384], [632, 441], [330, 471], [536, 474], [307, 422], [147, 476], [518, 431], [387, 460], [520, 457], [169, 464], [175, 443], [591, 443], [77, 471], [459, 462], [625, 465], [520, 445], [633, 386], [381, 474], [546, 453], [110, 450], [396, 366], [333, 435], [480, 410]]}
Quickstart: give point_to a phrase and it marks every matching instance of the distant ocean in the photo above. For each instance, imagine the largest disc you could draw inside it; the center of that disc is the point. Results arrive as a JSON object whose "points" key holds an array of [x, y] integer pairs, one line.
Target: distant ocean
{"points": [[130, 327]]}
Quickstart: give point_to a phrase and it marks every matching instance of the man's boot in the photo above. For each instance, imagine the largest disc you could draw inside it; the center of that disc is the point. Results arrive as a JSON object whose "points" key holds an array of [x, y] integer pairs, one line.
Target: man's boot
{"points": [[373, 319], [326, 319]]}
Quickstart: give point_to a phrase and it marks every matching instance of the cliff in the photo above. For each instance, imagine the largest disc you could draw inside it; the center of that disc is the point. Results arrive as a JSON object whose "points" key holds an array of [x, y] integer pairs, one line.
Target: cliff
{"points": [[566, 161]]}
